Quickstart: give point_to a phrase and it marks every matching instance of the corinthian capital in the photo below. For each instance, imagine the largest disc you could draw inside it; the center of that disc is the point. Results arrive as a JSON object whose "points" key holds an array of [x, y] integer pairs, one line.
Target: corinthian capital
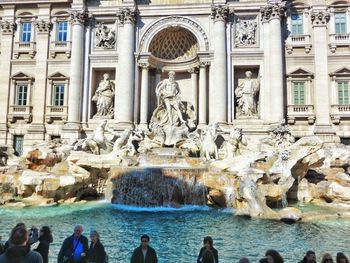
{"points": [[7, 27], [79, 17], [272, 11], [219, 12], [43, 26], [320, 18], [127, 15]]}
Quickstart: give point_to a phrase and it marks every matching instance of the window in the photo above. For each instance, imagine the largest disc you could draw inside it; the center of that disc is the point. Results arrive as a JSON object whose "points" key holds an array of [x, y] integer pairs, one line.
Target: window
{"points": [[340, 23], [21, 95], [297, 24], [299, 93], [58, 95], [343, 92], [18, 144], [62, 31], [26, 32]]}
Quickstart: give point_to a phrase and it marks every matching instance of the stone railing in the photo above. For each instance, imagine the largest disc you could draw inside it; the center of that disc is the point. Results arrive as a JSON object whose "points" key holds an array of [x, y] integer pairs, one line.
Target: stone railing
{"points": [[56, 112], [57, 47], [24, 48], [301, 112], [339, 112], [338, 40], [298, 41], [20, 112]]}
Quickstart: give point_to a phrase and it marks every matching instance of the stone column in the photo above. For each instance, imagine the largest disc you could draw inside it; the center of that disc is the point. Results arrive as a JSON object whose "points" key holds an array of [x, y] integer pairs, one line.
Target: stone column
{"points": [[78, 19], [194, 80], [218, 91], [273, 14], [124, 99], [144, 95], [202, 97], [321, 92], [7, 30], [36, 131], [86, 85]]}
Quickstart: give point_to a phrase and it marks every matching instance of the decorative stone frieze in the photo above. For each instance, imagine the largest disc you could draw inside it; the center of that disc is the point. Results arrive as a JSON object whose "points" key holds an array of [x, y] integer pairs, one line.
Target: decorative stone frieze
{"points": [[203, 64], [42, 26], [79, 17], [274, 11], [7, 27], [143, 64], [246, 32], [320, 18], [193, 70], [219, 12], [105, 37], [127, 15]]}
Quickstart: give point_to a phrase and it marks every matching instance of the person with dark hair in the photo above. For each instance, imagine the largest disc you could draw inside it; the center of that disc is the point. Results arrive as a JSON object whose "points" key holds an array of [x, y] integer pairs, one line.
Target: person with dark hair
{"points": [[144, 253], [341, 258], [2, 246], [273, 256], [96, 252], [208, 253], [74, 247], [45, 238], [33, 236], [243, 260], [19, 250], [327, 258], [310, 257]]}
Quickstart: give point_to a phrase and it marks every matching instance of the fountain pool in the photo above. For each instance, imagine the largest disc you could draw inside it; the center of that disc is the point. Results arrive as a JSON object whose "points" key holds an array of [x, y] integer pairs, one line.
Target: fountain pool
{"points": [[177, 234]]}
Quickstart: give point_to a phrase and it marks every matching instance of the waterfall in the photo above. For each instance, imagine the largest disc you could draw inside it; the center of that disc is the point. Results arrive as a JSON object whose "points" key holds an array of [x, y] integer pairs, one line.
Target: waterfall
{"points": [[284, 200]]}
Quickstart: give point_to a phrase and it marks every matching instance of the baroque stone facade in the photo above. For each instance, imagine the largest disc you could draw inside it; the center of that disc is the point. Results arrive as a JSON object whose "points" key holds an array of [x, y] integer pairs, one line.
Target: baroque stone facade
{"points": [[68, 64]]}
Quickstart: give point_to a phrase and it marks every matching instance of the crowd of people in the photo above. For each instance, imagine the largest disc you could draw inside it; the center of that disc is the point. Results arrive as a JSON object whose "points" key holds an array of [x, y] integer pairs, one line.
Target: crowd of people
{"points": [[76, 249]]}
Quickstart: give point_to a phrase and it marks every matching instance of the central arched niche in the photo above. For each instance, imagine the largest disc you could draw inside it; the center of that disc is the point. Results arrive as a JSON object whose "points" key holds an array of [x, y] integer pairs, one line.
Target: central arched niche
{"points": [[174, 44]]}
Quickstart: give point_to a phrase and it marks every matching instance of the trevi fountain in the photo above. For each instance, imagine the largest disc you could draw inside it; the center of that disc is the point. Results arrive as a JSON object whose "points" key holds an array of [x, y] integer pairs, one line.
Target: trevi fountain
{"points": [[178, 182]]}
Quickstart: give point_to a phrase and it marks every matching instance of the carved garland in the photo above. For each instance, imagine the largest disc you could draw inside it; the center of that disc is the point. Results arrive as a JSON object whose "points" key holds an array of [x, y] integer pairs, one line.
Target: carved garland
{"points": [[176, 20], [43, 26], [320, 18], [7, 27]]}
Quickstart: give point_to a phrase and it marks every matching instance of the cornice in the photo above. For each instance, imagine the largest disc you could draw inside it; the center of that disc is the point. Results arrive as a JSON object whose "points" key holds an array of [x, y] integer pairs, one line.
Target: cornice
{"points": [[21, 2]]}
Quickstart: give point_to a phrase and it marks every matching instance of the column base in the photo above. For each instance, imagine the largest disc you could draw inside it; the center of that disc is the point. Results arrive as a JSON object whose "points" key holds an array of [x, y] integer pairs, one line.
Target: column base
{"points": [[143, 127], [326, 133]]}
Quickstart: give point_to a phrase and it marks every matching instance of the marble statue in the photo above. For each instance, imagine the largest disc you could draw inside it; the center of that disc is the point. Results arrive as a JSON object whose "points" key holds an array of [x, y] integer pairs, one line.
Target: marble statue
{"points": [[234, 143], [246, 32], [104, 37], [208, 146], [168, 93], [104, 98], [155, 139], [246, 94]]}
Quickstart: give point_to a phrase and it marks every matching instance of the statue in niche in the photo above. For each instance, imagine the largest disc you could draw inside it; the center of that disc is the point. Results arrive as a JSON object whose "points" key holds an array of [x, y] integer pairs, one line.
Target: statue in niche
{"points": [[104, 98], [105, 37], [247, 96], [246, 32], [175, 117]]}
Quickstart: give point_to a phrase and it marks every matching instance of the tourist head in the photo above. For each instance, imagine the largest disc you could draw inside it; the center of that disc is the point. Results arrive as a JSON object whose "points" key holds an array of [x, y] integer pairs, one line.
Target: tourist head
{"points": [[144, 241], [208, 242], [45, 234], [243, 260], [78, 231], [273, 256], [327, 258], [341, 258], [94, 236], [248, 74], [310, 256], [19, 236]]}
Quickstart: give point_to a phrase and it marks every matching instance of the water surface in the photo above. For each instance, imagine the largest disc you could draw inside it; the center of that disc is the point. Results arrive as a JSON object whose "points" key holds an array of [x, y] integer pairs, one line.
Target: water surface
{"points": [[177, 234]]}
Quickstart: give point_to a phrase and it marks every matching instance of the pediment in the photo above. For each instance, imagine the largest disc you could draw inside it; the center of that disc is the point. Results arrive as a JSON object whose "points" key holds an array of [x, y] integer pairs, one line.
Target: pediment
{"points": [[341, 72], [22, 76], [58, 76], [300, 72]]}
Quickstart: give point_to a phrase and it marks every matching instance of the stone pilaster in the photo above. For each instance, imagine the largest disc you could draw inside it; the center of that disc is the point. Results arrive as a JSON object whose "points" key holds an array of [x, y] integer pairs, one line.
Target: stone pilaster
{"points": [[124, 99], [144, 94], [72, 127], [323, 127], [218, 91], [7, 29], [271, 16], [194, 79], [202, 96]]}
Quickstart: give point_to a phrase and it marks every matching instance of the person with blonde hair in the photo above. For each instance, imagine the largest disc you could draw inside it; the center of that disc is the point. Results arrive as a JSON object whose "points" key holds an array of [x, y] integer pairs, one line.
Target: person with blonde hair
{"points": [[96, 252], [327, 258]]}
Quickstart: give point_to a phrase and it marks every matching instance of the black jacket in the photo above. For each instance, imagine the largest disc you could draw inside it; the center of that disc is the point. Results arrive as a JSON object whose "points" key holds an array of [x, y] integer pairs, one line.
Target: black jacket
{"points": [[137, 256], [20, 254], [68, 247], [96, 253], [201, 253], [43, 249]]}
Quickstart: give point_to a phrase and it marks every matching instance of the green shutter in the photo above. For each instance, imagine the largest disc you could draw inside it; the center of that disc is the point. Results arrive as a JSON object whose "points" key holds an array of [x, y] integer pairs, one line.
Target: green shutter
{"points": [[340, 23], [343, 93], [299, 93]]}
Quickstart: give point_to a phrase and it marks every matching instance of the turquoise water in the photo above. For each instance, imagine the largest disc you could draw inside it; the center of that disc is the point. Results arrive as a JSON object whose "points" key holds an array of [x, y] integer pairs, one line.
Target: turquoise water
{"points": [[177, 234]]}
